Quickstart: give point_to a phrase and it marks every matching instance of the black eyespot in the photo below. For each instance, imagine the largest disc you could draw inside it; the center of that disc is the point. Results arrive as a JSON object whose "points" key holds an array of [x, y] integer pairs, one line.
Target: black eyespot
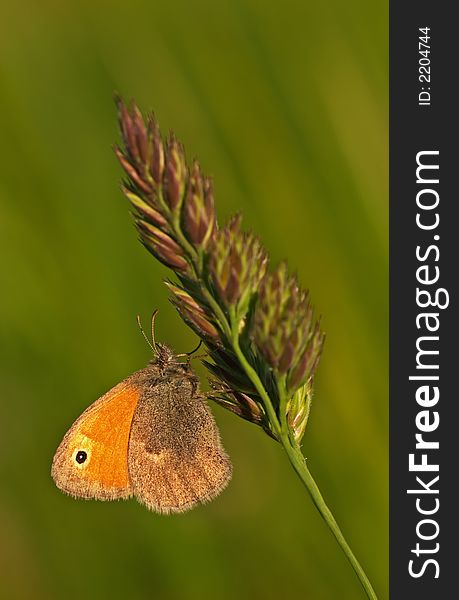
{"points": [[81, 457]]}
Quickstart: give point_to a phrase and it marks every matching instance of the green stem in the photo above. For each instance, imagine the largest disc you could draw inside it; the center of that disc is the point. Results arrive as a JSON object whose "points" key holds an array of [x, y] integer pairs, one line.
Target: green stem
{"points": [[222, 320], [253, 375], [299, 464]]}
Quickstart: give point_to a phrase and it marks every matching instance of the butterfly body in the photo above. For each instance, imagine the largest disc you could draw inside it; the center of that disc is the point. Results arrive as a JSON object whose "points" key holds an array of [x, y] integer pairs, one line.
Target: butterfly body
{"points": [[151, 436]]}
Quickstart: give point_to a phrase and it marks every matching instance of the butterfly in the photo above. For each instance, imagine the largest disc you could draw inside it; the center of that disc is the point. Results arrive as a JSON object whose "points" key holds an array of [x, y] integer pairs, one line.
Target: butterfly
{"points": [[152, 436]]}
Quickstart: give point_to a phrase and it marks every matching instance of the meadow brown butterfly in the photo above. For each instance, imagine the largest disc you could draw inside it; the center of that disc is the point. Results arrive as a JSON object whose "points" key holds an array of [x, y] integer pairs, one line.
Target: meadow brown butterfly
{"points": [[152, 436]]}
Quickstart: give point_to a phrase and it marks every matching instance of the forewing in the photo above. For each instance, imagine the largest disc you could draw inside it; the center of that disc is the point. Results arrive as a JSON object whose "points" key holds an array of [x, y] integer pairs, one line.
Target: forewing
{"points": [[102, 434]]}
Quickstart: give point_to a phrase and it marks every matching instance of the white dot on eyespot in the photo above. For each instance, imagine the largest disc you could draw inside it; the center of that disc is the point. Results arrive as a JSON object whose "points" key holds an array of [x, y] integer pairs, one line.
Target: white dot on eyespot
{"points": [[436, 238]]}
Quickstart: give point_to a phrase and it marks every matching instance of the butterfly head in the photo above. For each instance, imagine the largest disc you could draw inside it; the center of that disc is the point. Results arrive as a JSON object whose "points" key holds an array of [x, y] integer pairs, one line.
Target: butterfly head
{"points": [[163, 356]]}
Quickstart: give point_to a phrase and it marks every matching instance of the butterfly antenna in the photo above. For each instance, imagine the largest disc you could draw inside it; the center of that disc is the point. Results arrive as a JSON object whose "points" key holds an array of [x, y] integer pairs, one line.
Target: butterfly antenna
{"points": [[152, 345], [153, 340]]}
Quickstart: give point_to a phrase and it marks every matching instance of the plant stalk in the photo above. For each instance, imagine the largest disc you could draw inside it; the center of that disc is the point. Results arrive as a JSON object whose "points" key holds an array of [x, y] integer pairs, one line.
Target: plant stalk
{"points": [[299, 464], [252, 374], [143, 156]]}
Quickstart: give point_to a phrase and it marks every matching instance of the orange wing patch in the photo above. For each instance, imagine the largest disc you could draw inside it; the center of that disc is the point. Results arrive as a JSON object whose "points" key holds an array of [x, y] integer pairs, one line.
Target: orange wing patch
{"points": [[91, 461]]}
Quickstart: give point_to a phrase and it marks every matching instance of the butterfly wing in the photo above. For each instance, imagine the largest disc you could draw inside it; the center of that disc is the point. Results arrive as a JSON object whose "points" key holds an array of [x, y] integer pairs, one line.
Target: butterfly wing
{"points": [[91, 461], [175, 458]]}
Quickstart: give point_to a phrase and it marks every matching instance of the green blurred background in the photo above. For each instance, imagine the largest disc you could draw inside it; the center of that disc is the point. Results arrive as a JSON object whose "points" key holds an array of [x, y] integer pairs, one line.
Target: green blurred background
{"points": [[285, 104]]}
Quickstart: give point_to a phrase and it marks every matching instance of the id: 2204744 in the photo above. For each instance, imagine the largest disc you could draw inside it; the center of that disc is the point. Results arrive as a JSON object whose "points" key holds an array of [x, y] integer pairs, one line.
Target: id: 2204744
{"points": [[424, 65]]}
